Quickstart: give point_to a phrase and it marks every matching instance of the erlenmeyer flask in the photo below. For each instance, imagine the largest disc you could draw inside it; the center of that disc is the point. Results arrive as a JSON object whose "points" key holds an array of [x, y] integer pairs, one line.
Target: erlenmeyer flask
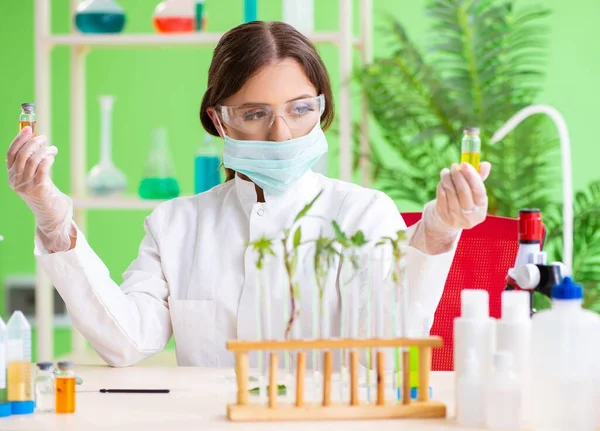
{"points": [[105, 178], [99, 16], [159, 178]]}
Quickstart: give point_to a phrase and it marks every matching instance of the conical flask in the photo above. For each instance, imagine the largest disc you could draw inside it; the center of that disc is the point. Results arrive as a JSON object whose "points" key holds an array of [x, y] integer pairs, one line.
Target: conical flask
{"points": [[159, 177], [105, 178]]}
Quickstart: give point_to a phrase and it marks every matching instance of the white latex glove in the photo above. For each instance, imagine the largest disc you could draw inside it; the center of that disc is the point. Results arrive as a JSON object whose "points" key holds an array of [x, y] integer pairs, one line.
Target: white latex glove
{"points": [[29, 160], [461, 203]]}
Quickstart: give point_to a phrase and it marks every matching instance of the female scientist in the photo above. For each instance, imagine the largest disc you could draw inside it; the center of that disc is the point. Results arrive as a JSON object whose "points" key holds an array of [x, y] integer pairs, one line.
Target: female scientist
{"points": [[269, 98]]}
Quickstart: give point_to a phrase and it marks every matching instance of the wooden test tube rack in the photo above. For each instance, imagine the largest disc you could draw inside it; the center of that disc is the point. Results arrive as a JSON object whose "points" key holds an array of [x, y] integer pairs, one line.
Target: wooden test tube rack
{"points": [[423, 407]]}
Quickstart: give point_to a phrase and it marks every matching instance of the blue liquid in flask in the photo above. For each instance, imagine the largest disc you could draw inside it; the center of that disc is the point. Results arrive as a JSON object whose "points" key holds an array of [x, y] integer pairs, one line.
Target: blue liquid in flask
{"points": [[100, 22], [206, 173]]}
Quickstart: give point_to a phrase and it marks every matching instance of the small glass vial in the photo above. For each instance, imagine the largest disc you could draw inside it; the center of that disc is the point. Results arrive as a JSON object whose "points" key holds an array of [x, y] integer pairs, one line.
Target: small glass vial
{"points": [[65, 388], [27, 117], [471, 147], [44, 388]]}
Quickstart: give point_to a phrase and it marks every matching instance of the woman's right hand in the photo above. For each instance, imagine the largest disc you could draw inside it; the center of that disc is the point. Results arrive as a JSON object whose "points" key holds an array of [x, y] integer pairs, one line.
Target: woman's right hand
{"points": [[29, 160]]}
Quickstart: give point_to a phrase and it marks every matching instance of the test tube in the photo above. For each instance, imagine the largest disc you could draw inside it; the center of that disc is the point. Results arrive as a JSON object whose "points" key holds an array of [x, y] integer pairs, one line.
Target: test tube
{"points": [[27, 117], [471, 147]]}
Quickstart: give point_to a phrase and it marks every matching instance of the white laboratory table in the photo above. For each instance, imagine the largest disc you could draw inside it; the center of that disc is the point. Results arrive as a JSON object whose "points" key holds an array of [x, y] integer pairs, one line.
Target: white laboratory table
{"points": [[197, 401]]}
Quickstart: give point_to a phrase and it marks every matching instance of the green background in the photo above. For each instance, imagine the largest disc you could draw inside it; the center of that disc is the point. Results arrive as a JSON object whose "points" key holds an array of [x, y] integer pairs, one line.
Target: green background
{"points": [[163, 87]]}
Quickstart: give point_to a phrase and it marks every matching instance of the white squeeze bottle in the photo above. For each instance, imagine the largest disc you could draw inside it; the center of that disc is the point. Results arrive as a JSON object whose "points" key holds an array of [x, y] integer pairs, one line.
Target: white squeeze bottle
{"points": [[513, 335], [565, 353], [471, 394], [503, 395], [474, 329]]}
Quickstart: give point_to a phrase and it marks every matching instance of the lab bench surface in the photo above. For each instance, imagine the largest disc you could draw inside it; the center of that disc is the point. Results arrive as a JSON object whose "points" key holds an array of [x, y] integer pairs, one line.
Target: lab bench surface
{"points": [[198, 400]]}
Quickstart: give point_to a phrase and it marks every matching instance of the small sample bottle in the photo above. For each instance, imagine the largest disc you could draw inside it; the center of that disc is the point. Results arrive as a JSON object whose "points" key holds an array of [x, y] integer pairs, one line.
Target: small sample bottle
{"points": [[200, 18], [250, 10], [159, 177], [27, 117], [44, 388], [175, 16], [65, 388], [471, 147], [476, 330], [4, 404], [100, 16], [471, 394], [503, 395], [206, 166], [19, 364]]}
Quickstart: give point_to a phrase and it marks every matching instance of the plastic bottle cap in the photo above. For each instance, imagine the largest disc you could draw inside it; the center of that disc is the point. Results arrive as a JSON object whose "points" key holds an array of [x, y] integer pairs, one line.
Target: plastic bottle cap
{"points": [[567, 289], [516, 305], [475, 303], [22, 407], [528, 276], [5, 409], [503, 360]]}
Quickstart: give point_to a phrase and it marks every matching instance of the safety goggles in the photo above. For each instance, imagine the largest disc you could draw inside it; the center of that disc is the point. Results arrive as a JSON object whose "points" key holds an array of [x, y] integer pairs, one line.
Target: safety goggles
{"points": [[256, 119]]}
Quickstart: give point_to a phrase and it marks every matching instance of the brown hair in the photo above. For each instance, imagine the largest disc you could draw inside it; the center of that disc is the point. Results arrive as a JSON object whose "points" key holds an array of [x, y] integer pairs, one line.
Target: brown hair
{"points": [[246, 49]]}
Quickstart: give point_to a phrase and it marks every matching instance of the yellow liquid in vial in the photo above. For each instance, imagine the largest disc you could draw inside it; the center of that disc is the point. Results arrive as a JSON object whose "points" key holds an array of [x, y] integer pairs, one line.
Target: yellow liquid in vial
{"points": [[472, 158], [19, 381], [23, 124]]}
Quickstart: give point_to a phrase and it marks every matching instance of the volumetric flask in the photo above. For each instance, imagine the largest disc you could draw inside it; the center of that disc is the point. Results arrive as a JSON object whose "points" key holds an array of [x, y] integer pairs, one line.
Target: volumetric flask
{"points": [[99, 16], [105, 178], [159, 177]]}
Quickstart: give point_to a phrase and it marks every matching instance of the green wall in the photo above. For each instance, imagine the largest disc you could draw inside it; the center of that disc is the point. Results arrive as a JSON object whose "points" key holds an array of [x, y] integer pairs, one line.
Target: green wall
{"points": [[164, 87]]}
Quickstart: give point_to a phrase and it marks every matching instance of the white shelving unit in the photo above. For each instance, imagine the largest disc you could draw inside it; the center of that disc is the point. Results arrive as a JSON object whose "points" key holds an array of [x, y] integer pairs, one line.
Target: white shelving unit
{"points": [[81, 44]]}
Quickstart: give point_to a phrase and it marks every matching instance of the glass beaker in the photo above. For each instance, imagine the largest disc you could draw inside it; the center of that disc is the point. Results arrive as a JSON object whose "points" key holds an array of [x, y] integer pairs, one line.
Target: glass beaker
{"points": [[100, 16], [175, 16], [105, 178], [159, 178], [206, 166]]}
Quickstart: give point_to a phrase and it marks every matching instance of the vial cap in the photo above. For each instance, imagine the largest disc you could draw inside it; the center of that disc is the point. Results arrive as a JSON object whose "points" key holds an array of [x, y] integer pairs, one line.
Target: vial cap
{"points": [[44, 365], [515, 305], [65, 365], [472, 130], [475, 303], [503, 360], [567, 289], [27, 106]]}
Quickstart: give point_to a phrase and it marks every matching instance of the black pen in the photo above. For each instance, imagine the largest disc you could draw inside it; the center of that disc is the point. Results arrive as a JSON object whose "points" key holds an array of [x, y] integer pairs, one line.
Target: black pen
{"points": [[134, 391]]}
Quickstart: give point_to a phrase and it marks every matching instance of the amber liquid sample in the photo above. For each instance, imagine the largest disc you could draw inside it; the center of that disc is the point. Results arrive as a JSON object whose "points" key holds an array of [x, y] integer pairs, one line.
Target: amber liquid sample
{"points": [[65, 394], [19, 381], [23, 124], [472, 158]]}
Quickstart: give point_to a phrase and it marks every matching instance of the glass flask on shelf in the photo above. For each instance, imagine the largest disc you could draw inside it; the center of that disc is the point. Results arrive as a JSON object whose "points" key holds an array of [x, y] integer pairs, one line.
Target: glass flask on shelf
{"points": [[206, 166], [105, 178], [159, 177], [100, 16], [175, 16]]}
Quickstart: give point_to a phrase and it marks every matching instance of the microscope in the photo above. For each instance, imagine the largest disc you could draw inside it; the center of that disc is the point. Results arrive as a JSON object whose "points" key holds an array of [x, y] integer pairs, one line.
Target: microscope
{"points": [[531, 271]]}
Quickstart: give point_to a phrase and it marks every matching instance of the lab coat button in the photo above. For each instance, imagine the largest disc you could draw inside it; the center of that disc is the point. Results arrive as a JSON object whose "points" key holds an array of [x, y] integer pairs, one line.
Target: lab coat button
{"points": [[260, 212]]}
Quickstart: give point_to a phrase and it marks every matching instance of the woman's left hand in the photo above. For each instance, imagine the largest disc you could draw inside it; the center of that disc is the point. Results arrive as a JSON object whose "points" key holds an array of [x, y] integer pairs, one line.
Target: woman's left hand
{"points": [[461, 203]]}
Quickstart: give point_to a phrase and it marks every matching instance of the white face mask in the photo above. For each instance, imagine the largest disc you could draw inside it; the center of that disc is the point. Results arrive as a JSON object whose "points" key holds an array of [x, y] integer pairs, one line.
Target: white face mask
{"points": [[275, 166]]}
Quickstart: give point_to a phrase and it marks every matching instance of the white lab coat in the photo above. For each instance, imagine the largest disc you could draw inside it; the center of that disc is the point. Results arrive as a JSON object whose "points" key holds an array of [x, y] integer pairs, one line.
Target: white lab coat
{"points": [[195, 278]]}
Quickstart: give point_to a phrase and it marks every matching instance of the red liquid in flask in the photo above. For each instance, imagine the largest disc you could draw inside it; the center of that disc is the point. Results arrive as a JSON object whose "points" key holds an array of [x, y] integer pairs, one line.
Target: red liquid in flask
{"points": [[174, 24]]}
